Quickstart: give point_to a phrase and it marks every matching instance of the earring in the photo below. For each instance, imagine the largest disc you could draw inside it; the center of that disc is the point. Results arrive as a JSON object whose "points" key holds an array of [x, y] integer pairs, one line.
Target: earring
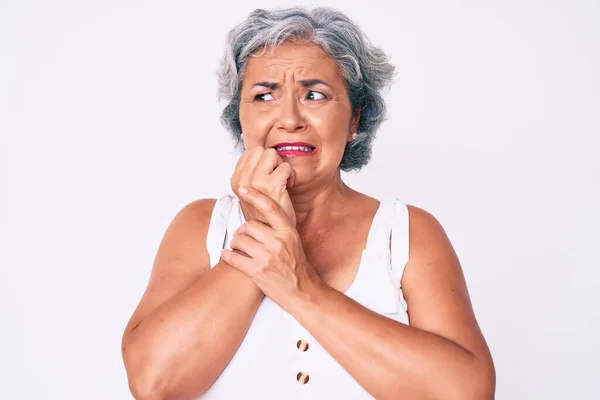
{"points": [[242, 136], [354, 135]]}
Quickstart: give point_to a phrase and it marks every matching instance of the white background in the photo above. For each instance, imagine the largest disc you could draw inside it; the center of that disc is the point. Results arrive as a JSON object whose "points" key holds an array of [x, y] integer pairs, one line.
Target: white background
{"points": [[109, 125]]}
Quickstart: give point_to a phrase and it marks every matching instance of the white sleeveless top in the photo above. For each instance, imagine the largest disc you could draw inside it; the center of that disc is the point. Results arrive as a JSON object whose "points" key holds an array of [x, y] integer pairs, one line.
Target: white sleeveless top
{"points": [[268, 363]]}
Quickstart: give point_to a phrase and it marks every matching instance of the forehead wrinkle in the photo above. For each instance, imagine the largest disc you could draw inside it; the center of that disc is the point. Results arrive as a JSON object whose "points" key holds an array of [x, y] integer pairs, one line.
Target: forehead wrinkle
{"points": [[279, 74], [291, 54], [293, 64], [277, 68]]}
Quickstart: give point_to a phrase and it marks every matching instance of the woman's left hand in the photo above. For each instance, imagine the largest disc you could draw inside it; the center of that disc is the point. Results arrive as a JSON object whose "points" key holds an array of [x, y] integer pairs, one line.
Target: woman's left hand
{"points": [[272, 256]]}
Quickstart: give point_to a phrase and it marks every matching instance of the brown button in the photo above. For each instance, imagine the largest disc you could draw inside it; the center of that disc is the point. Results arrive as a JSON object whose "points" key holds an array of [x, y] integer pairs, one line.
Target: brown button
{"points": [[302, 345], [302, 377]]}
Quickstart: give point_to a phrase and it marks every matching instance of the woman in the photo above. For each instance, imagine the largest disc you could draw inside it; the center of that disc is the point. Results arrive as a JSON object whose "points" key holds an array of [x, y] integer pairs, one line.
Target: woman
{"points": [[305, 287]]}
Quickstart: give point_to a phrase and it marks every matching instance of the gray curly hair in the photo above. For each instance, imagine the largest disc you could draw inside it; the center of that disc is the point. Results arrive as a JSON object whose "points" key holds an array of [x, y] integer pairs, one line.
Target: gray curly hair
{"points": [[366, 69]]}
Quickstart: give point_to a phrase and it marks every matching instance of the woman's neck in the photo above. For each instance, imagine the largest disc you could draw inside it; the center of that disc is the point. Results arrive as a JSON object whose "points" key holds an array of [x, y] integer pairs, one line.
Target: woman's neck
{"points": [[321, 203]]}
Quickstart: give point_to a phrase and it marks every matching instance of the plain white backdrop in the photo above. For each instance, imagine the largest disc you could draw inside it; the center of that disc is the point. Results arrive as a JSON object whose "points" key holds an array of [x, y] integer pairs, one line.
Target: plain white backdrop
{"points": [[109, 124]]}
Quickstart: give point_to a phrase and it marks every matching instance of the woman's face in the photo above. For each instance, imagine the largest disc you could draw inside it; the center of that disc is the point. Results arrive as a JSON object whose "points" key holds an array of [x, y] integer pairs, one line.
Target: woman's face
{"points": [[297, 94]]}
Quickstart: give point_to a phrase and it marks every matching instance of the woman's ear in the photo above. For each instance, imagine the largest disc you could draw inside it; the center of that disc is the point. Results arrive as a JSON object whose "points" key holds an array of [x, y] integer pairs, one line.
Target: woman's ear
{"points": [[354, 125]]}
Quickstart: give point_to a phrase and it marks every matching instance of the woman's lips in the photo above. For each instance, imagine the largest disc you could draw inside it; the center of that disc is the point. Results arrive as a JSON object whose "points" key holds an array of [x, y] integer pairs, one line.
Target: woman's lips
{"points": [[296, 149], [297, 153]]}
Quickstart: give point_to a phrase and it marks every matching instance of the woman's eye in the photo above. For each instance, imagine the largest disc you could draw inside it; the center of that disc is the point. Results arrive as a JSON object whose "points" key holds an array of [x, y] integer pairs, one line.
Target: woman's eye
{"points": [[312, 95], [264, 97]]}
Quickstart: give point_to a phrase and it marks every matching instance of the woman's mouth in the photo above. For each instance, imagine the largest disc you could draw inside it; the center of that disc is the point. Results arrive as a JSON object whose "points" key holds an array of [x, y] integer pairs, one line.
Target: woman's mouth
{"points": [[295, 151]]}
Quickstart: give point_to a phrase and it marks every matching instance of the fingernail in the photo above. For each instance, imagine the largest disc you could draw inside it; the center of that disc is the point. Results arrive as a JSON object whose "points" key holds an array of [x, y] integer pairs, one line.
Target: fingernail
{"points": [[243, 189]]}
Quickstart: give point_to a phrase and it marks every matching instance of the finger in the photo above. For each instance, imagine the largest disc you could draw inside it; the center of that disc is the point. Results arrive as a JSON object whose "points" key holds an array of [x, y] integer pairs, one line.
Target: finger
{"points": [[246, 173], [247, 244], [238, 261], [238, 170], [284, 176], [239, 166], [256, 230], [270, 209], [269, 160]]}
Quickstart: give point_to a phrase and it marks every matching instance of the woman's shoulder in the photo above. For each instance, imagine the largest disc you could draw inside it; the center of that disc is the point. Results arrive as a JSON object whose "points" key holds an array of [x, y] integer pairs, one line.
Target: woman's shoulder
{"points": [[423, 224], [197, 211], [191, 222], [426, 233], [420, 218]]}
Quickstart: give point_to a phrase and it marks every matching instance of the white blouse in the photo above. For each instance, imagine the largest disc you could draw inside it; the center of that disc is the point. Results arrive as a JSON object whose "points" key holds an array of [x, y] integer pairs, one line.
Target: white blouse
{"points": [[279, 359]]}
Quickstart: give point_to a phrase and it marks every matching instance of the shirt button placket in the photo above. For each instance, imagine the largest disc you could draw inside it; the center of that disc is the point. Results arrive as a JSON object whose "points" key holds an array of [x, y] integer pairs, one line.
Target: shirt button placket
{"points": [[305, 376], [301, 339], [302, 376]]}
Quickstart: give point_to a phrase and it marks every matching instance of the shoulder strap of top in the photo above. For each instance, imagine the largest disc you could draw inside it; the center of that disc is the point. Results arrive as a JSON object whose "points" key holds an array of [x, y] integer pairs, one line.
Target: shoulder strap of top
{"points": [[400, 241], [379, 231], [226, 217]]}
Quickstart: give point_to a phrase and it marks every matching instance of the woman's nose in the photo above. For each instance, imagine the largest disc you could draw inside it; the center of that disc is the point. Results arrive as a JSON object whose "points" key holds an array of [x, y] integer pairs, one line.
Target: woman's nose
{"points": [[290, 117]]}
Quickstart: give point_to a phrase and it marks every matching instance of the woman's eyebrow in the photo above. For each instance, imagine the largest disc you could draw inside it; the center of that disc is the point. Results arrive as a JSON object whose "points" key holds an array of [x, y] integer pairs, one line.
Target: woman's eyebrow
{"points": [[303, 82], [270, 85], [313, 82]]}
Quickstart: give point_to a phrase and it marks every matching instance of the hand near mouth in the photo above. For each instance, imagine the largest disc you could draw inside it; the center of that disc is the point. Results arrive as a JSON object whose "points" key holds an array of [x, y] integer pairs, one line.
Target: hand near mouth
{"points": [[264, 170]]}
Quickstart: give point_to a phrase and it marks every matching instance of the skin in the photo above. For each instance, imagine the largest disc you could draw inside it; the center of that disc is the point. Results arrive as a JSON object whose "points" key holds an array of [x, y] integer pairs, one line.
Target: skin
{"points": [[175, 345], [319, 114]]}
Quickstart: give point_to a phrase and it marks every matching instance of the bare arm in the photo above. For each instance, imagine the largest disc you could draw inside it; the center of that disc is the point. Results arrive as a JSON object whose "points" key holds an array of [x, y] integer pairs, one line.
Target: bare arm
{"points": [[191, 319], [441, 355]]}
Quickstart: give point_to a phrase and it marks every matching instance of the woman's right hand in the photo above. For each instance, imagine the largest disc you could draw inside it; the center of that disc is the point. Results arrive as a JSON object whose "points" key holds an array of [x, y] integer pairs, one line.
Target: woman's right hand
{"points": [[264, 170]]}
